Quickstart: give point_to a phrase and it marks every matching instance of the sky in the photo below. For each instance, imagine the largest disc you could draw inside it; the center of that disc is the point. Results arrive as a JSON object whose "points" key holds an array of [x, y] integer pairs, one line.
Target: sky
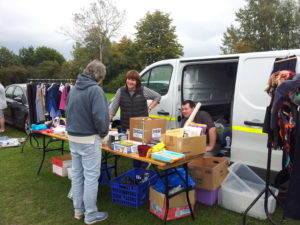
{"points": [[199, 24]]}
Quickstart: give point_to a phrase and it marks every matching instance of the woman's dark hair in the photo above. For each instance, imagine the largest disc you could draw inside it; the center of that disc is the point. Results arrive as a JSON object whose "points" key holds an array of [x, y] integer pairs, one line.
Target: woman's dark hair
{"points": [[190, 102], [134, 75]]}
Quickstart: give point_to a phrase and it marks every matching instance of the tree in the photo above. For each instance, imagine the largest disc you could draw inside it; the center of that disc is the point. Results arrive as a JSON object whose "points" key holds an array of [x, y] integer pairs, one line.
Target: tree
{"points": [[13, 74], [156, 38], [8, 58], [48, 54], [264, 25], [27, 56], [96, 25]]}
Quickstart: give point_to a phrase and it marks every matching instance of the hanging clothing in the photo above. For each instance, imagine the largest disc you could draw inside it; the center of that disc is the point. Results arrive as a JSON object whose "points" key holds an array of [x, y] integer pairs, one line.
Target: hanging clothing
{"points": [[31, 95], [292, 207], [53, 100], [40, 105], [63, 98]]}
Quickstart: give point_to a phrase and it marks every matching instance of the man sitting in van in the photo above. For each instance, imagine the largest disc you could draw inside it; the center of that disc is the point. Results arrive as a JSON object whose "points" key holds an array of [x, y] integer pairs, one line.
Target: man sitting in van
{"points": [[201, 117]]}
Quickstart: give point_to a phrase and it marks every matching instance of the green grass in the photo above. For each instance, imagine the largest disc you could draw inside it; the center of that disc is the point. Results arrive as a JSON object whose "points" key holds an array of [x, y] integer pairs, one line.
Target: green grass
{"points": [[109, 96], [28, 199]]}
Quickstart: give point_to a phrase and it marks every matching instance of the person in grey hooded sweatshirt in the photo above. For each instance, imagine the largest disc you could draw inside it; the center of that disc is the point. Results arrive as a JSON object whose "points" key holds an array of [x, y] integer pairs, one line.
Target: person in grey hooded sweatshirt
{"points": [[87, 123]]}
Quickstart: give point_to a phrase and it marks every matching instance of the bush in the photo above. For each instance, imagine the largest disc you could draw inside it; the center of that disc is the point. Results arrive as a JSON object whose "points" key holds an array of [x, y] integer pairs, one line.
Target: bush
{"points": [[114, 84], [13, 74]]}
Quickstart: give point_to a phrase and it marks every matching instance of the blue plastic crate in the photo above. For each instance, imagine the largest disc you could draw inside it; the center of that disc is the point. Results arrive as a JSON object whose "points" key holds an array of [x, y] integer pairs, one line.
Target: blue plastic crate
{"points": [[104, 177], [132, 187]]}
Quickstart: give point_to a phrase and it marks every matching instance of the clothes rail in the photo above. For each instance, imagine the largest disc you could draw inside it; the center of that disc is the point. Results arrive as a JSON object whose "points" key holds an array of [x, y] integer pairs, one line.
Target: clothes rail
{"points": [[51, 80]]}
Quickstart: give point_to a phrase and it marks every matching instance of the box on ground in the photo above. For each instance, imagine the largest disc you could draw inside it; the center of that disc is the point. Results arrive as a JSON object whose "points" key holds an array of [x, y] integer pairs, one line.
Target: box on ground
{"points": [[147, 128], [208, 172], [188, 146], [207, 197], [178, 206], [60, 164], [132, 187], [240, 188]]}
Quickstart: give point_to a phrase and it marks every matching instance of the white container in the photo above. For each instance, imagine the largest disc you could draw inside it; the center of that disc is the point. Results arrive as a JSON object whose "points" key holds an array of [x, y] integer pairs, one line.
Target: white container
{"points": [[240, 188]]}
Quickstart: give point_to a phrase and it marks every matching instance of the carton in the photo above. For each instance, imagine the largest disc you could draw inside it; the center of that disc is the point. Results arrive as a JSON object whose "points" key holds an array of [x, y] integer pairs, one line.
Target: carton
{"points": [[178, 206], [152, 129], [125, 146], [208, 172], [188, 146], [60, 164]]}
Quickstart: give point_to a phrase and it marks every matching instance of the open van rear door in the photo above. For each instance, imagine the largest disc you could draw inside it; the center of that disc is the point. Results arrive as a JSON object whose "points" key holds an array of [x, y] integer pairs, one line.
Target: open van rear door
{"points": [[249, 144]]}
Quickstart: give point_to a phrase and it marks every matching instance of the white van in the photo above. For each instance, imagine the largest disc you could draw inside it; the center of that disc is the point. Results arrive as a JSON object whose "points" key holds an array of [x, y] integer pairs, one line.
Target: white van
{"points": [[230, 87]]}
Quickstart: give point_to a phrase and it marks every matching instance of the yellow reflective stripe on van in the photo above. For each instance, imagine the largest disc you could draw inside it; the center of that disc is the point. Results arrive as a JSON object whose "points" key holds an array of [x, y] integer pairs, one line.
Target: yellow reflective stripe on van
{"points": [[163, 117], [156, 116], [248, 129]]}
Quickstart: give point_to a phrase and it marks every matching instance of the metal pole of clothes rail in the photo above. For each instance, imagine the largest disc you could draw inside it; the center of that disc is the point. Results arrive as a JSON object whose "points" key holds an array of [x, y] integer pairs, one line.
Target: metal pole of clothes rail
{"points": [[266, 192]]}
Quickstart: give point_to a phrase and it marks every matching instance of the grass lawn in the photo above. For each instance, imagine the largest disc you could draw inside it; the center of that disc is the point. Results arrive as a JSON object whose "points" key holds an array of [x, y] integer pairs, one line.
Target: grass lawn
{"points": [[109, 96], [28, 199]]}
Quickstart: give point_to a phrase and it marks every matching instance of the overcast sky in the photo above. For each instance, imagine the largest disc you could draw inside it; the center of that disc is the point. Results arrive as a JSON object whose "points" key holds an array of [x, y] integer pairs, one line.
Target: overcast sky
{"points": [[199, 24]]}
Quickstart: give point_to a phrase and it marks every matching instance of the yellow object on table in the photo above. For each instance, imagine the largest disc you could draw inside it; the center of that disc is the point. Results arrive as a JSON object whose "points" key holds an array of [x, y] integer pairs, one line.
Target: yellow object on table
{"points": [[156, 148]]}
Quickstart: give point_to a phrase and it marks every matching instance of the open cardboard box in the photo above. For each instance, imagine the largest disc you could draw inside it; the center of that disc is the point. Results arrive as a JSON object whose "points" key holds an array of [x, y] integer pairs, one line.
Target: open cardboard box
{"points": [[189, 146], [178, 206]]}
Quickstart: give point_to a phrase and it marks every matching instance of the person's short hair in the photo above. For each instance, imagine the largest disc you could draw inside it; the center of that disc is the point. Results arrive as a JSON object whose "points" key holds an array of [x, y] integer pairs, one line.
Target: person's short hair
{"points": [[190, 102], [96, 70], [133, 75]]}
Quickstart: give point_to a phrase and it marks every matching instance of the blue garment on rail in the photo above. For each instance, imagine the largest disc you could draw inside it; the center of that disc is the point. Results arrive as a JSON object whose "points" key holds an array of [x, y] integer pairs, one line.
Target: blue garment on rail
{"points": [[53, 99]]}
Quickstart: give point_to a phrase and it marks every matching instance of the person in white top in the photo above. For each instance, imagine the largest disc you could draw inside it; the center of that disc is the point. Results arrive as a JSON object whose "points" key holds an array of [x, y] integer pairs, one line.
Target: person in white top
{"points": [[3, 105]]}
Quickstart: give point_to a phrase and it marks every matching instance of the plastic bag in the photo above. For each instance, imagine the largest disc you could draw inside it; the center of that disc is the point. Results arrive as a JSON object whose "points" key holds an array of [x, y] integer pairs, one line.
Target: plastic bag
{"points": [[174, 181]]}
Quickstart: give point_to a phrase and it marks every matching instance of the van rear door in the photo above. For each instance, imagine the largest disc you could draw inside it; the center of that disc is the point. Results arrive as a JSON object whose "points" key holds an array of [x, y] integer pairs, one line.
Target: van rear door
{"points": [[249, 144]]}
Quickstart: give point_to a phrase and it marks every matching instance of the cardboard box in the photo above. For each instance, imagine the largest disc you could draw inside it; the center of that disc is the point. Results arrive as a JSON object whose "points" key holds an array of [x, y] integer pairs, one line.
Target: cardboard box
{"points": [[208, 172], [178, 206], [152, 129], [60, 164], [132, 146], [186, 145]]}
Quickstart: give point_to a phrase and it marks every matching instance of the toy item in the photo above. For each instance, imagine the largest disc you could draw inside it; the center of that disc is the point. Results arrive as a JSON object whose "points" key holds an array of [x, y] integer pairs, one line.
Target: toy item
{"points": [[167, 156], [156, 148]]}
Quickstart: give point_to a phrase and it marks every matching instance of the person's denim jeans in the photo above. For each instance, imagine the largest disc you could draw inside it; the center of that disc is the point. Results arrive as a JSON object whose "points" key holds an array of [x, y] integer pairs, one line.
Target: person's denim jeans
{"points": [[86, 165]]}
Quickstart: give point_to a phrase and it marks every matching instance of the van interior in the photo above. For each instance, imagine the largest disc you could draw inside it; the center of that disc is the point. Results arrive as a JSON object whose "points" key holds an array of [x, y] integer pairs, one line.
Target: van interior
{"points": [[212, 83]]}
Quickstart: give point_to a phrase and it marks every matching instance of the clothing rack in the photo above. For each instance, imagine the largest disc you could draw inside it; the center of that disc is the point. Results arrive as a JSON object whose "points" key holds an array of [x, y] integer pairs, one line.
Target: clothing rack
{"points": [[287, 63], [50, 80], [265, 191]]}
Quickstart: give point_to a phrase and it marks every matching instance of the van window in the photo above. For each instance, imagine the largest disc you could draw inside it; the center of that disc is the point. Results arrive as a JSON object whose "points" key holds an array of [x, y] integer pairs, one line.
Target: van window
{"points": [[210, 84], [158, 79]]}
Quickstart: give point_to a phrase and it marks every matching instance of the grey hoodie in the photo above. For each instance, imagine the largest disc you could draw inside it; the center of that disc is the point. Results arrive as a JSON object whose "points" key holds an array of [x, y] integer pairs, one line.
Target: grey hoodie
{"points": [[86, 110]]}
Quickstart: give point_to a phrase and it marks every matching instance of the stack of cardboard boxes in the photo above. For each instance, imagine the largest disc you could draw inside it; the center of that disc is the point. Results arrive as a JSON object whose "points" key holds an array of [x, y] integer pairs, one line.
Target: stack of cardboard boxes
{"points": [[208, 174]]}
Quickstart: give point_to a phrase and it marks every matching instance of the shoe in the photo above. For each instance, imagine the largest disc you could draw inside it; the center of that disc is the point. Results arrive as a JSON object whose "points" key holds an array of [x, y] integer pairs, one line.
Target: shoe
{"points": [[101, 216], [78, 216]]}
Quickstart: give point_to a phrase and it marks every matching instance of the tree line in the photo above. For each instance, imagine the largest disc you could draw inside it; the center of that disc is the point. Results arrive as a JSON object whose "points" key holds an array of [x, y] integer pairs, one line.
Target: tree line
{"points": [[261, 25], [94, 42]]}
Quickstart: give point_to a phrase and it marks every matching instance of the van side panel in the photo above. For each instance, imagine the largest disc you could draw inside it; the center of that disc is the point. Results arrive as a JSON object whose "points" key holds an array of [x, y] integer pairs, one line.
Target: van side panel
{"points": [[249, 144]]}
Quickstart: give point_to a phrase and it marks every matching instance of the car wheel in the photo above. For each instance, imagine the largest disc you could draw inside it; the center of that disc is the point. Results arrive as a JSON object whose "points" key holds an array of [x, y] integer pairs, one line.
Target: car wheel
{"points": [[26, 125]]}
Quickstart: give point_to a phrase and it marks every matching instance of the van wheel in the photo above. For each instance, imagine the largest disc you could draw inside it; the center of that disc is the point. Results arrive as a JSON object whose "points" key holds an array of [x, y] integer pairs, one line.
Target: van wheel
{"points": [[26, 125]]}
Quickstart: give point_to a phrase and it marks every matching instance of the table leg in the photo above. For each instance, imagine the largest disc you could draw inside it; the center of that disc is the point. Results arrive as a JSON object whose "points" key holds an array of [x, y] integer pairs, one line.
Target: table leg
{"points": [[187, 189], [44, 153], [62, 147], [167, 196]]}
